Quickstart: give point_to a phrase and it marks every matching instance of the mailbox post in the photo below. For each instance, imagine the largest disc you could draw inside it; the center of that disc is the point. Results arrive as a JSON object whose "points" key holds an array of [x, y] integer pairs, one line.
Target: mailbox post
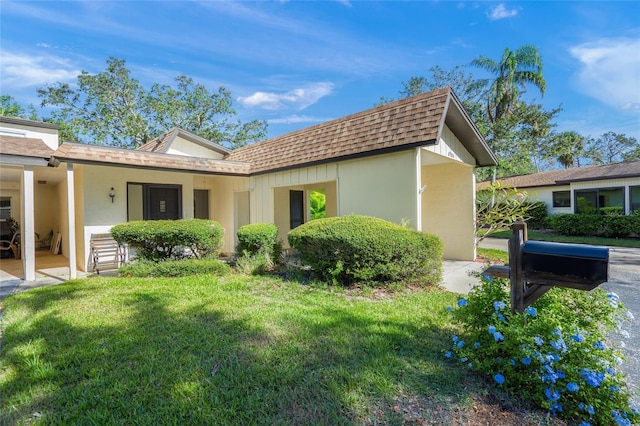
{"points": [[535, 267]]}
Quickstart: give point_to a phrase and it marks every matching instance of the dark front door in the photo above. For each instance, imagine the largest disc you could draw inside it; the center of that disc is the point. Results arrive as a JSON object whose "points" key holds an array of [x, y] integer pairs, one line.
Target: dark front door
{"points": [[296, 208], [163, 202]]}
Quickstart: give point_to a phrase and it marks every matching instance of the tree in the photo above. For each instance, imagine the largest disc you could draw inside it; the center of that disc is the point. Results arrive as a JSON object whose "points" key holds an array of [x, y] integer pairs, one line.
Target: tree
{"points": [[512, 73], [9, 107], [498, 207], [112, 108], [567, 148], [612, 147]]}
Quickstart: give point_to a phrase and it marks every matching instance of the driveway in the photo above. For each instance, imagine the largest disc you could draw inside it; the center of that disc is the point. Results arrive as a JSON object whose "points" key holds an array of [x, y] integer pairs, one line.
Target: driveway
{"points": [[624, 280]]}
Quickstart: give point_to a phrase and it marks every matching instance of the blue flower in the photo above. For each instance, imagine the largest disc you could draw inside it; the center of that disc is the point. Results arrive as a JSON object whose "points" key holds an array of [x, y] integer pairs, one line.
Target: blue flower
{"points": [[526, 360], [476, 345], [585, 424], [460, 344], [559, 345], [501, 317], [581, 406], [621, 419], [499, 378], [454, 338], [557, 332], [556, 408], [449, 308], [531, 311], [487, 278], [462, 303], [551, 394], [512, 362], [600, 345], [492, 329], [497, 305], [498, 336], [593, 378], [615, 389], [465, 359], [449, 354], [578, 338], [590, 410], [538, 340], [573, 387]]}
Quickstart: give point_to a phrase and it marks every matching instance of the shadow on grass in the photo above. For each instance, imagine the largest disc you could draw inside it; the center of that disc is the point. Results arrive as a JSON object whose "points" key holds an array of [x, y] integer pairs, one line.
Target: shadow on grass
{"points": [[181, 355]]}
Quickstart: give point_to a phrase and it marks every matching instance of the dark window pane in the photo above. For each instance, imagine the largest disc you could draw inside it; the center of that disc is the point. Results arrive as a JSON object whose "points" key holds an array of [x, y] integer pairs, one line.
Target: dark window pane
{"points": [[562, 199], [586, 201]]}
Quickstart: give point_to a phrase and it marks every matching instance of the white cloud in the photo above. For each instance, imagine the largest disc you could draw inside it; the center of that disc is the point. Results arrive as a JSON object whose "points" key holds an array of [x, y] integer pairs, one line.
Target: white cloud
{"points": [[501, 12], [21, 70], [610, 71], [296, 98], [296, 119]]}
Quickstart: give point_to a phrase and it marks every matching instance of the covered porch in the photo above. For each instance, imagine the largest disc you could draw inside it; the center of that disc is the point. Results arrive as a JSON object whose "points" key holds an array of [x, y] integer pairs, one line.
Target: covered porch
{"points": [[49, 269]]}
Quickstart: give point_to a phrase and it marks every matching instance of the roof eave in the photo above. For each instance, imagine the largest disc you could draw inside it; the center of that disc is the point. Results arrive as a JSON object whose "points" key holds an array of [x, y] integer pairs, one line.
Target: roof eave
{"points": [[463, 127]]}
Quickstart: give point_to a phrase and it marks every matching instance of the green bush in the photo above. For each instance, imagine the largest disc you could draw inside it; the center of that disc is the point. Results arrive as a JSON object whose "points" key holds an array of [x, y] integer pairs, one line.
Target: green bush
{"points": [[259, 238], [595, 225], [175, 268], [160, 240], [557, 354], [348, 249], [537, 213]]}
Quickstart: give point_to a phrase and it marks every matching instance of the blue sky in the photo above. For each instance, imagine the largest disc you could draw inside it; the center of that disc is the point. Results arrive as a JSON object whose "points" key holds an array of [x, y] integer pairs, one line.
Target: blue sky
{"points": [[296, 64]]}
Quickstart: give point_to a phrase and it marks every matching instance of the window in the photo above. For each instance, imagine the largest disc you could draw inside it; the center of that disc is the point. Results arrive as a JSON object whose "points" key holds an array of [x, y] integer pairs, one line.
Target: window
{"points": [[5, 208], [201, 203], [561, 198], [147, 201], [634, 193], [596, 200]]}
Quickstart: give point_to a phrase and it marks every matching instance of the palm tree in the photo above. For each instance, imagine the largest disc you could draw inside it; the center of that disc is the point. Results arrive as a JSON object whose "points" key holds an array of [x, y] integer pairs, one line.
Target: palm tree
{"points": [[568, 147], [511, 75]]}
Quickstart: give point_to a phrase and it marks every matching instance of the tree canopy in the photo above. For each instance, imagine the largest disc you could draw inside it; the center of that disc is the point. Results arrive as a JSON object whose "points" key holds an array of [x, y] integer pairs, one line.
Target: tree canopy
{"points": [[521, 132], [112, 108]]}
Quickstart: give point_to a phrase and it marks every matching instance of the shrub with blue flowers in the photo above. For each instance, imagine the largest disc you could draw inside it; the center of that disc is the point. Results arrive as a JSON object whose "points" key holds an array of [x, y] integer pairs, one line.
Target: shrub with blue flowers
{"points": [[558, 353]]}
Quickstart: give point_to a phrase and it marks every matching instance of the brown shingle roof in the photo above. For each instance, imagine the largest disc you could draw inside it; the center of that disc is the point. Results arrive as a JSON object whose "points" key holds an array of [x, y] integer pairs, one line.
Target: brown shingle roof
{"points": [[404, 124], [158, 144], [566, 176], [24, 147], [92, 154]]}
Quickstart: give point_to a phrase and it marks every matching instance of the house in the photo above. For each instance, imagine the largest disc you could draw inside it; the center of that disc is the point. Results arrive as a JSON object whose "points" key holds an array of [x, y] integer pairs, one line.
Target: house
{"points": [[583, 189], [410, 161]]}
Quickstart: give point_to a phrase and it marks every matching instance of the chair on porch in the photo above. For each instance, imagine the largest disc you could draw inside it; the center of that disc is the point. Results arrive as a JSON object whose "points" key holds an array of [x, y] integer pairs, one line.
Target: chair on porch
{"points": [[44, 242], [8, 247]]}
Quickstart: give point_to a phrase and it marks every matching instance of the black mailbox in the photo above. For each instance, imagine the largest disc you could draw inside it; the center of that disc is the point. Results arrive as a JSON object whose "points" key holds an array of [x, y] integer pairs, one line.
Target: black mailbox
{"points": [[586, 263]]}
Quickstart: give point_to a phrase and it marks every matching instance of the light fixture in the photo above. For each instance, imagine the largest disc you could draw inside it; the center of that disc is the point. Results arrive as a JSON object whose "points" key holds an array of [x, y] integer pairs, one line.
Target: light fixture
{"points": [[112, 194]]}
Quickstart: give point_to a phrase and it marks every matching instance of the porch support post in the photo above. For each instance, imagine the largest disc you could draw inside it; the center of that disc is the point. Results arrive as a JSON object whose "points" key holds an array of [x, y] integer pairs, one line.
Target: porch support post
{"points": [[27, 237], [419, 189], [71, 214]]}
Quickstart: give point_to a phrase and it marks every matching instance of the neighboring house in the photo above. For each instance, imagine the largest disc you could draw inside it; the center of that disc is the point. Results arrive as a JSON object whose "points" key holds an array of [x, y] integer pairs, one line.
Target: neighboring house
{"points": [[410, 161], [583, 189]]}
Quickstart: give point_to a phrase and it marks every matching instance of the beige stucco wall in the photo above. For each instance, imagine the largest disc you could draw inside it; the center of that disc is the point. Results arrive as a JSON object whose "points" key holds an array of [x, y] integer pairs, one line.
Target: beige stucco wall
{"points": [[384, 186], [448, 207], [222, 202]]}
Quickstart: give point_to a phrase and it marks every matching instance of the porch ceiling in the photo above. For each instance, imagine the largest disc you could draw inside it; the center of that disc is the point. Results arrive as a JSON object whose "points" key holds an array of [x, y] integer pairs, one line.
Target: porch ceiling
{"points": [[429, 158], [9, 174]]}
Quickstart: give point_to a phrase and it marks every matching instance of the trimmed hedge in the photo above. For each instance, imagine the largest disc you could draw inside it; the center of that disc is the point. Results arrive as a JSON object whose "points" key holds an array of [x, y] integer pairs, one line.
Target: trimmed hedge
{"points": [[175, 268], [348, 249], [596, 225], [160, 240], [259, 238], [537, 215]]}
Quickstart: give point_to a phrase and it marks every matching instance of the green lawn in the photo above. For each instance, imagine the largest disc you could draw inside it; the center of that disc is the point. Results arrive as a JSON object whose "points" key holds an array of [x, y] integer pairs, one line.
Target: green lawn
{"points": [[598, 241], [231, 350]]}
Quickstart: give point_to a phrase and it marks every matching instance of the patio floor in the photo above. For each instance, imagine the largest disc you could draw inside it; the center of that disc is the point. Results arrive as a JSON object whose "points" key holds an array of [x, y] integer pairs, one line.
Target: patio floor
{"points": [[50, 269]]}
